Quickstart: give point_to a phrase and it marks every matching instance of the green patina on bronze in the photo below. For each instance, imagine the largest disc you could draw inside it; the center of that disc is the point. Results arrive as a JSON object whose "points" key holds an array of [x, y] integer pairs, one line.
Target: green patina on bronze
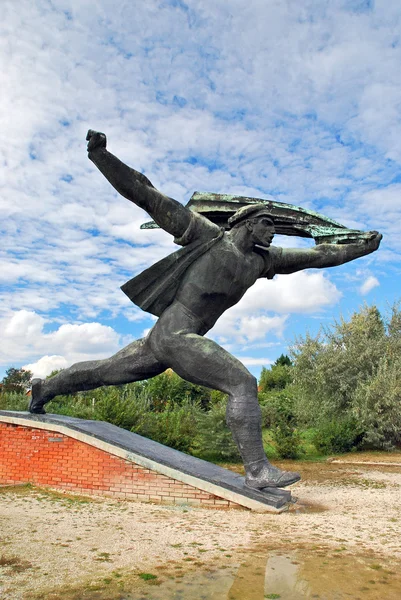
{"points": [[288, 218]]}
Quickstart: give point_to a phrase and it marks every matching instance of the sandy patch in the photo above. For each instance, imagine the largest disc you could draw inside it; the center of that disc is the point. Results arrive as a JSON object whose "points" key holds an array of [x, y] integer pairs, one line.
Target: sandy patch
{"points": [[51, 541]]}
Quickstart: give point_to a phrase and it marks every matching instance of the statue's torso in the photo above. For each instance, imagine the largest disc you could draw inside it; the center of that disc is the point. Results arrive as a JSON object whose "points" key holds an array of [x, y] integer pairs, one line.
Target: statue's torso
{"points": [[218, 279]]}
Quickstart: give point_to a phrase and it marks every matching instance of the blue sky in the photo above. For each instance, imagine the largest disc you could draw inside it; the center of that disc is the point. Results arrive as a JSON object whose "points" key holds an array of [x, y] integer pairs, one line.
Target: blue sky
{"points": [[296, 99]]}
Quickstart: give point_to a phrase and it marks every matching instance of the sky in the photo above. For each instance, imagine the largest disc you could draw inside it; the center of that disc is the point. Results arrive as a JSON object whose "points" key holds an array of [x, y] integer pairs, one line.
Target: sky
{"points": [[295, 99]]}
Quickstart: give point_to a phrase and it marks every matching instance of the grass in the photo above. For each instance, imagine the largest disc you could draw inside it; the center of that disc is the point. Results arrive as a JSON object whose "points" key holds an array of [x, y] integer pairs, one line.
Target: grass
{"points": [[147, 576], [15, 564], [103, 557]]}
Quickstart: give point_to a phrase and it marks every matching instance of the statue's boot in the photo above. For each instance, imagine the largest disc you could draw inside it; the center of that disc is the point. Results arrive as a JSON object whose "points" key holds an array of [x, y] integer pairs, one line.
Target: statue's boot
{"points": [[263, 474], [37, 403]]}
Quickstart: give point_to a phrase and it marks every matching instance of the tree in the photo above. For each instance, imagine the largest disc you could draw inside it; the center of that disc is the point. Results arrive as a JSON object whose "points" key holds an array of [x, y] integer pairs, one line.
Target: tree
{"points": [[351, 370], [275, 378], [16, 380], [283, 360]]}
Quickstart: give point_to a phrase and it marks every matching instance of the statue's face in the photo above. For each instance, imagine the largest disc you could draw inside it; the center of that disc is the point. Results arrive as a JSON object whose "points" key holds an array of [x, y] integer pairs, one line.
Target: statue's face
{"points": [[262, 231]]}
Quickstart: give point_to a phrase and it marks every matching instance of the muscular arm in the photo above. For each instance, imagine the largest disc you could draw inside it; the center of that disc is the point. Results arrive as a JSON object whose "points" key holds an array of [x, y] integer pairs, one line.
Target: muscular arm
{"points": [[324, 255], [169, 214]]}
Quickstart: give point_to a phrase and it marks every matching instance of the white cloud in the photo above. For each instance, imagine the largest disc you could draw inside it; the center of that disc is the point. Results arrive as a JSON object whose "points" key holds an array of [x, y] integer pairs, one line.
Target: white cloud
{"points": [[368, 285], [246, 328], [298, 100], [45, 365], [303, 292], [252, 361], [24, 338]]}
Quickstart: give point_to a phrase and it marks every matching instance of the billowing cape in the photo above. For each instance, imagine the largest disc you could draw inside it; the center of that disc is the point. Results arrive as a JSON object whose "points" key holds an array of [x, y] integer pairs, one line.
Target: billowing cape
{"points": [[154, 289]]}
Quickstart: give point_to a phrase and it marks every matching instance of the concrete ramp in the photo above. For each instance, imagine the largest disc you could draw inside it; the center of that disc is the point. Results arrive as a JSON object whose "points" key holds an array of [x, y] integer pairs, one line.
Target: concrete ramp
{"points": [[95, 457]]}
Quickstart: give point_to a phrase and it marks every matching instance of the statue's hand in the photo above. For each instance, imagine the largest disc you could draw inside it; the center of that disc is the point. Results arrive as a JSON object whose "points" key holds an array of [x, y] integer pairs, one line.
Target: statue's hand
{"points": [[373, 241], [95, 140]]}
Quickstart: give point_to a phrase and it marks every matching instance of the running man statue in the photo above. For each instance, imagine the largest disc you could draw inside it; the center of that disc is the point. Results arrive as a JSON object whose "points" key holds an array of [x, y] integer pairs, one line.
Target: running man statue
{"points": [[189, 290]]}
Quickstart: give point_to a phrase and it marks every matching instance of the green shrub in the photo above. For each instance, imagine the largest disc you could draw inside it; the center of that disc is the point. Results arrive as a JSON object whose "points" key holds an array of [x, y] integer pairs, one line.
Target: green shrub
{"points": [[214, 438], [275, 378], [287, 440], [351, 371], [72, 406], [277, 406], [124, 406], [278, 415], [13, 401], [119, 405], [170, 387], [377, 405], [337, 436], [176, 426]]}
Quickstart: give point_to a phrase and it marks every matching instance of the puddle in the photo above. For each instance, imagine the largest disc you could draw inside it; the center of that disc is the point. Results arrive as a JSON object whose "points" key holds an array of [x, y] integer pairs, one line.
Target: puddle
{"points": [[329, 574], [321, 574]]}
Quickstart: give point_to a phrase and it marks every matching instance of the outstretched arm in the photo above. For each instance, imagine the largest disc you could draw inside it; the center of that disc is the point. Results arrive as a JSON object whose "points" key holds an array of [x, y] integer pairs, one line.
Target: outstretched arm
{"points": [[169, 214], [325, 255]]}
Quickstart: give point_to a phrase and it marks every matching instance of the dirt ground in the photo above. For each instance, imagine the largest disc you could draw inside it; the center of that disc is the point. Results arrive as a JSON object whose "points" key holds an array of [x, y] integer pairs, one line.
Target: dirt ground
{"points": [[55, 546]]}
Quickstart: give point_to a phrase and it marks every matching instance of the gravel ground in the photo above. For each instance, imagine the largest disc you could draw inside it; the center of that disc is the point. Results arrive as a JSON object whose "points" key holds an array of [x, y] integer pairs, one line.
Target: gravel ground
{"points": [[52, 543]]}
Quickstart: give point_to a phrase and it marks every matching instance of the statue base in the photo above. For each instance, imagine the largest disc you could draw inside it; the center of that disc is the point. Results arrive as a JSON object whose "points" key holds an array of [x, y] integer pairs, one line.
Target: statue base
{"points": [[95, 457]]}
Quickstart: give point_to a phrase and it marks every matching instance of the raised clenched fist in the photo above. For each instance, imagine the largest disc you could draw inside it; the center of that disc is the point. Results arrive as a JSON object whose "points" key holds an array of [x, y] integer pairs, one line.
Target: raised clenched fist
{"points": [[95, 140]]}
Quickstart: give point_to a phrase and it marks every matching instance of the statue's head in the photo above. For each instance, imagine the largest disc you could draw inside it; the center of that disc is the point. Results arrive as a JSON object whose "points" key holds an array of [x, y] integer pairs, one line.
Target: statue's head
{"points": [[257, 219]]}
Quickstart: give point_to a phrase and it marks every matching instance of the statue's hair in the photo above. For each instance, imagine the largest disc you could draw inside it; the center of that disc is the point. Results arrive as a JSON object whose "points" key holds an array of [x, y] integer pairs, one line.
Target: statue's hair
{"points": [[251, 212]]}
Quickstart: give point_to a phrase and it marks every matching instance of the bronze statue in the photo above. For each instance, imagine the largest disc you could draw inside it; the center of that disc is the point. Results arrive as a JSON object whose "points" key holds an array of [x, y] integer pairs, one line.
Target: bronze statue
{"points": [[189, 290]]}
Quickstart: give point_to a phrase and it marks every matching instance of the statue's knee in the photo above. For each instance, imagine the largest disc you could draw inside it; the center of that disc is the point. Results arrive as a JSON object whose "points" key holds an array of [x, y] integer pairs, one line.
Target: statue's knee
{"points": [[164, 344], [246, 385], [161, 347]]}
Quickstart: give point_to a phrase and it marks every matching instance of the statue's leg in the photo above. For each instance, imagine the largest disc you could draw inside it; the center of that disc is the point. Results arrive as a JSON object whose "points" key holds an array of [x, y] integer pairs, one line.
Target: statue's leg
{"points": [[133, 363], [202, 361]]}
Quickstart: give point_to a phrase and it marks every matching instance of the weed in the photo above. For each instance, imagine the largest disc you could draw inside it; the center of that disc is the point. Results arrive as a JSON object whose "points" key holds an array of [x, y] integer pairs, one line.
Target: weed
{"points": [[103, 557], [147, 576], [15, 564]]}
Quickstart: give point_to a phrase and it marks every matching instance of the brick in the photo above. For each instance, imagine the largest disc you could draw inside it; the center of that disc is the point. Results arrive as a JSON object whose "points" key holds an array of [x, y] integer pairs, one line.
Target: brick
{"points": [[28, 455]]}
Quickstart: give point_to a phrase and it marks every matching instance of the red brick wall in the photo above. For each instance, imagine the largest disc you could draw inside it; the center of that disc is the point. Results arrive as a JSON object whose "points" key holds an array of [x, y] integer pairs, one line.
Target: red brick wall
{"points": [[48, 458]]}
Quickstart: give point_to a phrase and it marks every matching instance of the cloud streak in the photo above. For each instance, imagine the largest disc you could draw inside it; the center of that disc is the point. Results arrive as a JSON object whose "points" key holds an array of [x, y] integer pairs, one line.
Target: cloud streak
{"points": [[300, 101]]}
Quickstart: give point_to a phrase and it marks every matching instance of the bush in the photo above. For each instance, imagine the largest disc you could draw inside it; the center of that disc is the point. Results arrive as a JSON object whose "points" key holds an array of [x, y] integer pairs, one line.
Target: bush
{"points": [[176, 426], [275, 378], [287, 440], [13, 401], [336, 437], [277, 406], [278, 414], [124, 406], [77, 406], [377, 406], [329, 367], [351, 372], [170, 387], [214, 438], [119, 405]]}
